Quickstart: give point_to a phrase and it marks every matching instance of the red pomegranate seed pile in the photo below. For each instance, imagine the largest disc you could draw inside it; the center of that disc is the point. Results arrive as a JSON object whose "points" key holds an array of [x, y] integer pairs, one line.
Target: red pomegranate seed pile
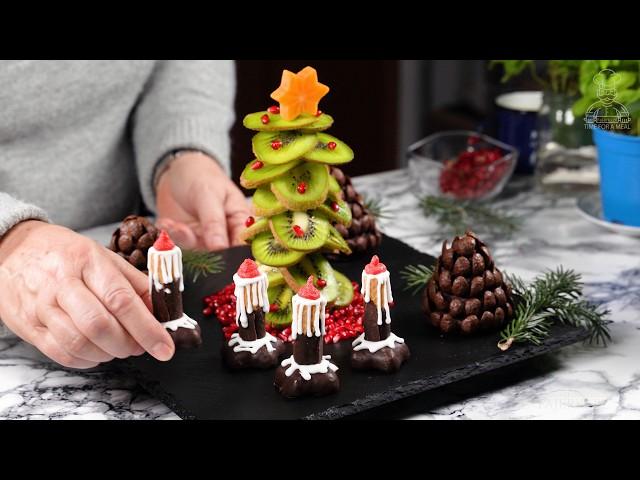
{"points": [[341, 323], [474, 172]]}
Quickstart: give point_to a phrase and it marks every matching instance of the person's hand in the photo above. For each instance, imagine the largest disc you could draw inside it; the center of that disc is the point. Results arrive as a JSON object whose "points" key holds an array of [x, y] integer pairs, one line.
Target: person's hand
{"points": [[199, 205], [76, 301]]}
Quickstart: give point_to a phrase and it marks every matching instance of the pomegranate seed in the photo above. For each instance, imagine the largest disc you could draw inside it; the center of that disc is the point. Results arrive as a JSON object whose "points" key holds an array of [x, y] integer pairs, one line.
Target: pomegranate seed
{"points": [[207, 311], [249, 221], [331, 145], [264, 119], [302, 187], [321, 283], [297, 231], [274, 109], [257, 165], [318, 113], [276, 144], [274, 307], [335, 207]]}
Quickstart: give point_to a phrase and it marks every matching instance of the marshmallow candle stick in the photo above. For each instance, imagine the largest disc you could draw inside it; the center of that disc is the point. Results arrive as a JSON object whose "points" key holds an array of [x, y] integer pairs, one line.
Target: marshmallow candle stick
{"points": [[166, 283], [376, 288], [307, 325], [252, 301]]}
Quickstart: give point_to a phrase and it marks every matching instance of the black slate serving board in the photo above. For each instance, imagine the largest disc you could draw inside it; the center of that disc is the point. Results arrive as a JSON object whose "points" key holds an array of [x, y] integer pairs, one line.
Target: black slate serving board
{"points": [[196, 385]]}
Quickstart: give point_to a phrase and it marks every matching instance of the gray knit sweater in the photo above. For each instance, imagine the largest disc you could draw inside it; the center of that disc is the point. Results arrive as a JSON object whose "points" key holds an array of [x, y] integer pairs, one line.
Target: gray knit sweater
{"points": [[80, 139]]}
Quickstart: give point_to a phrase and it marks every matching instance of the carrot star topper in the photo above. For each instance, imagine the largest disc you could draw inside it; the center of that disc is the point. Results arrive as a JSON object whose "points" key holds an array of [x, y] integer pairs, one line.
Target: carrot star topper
{"points": [[299, 93]]}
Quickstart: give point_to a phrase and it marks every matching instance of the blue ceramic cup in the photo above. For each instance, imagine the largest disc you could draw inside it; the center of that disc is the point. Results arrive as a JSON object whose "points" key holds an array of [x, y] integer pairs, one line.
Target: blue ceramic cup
{"points": [[619, 160], [517, 125]]}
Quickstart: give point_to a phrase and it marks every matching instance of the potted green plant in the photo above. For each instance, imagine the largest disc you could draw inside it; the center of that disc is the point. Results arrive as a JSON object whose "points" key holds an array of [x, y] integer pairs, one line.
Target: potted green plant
{"points": [[560, 134], [610, 103]]}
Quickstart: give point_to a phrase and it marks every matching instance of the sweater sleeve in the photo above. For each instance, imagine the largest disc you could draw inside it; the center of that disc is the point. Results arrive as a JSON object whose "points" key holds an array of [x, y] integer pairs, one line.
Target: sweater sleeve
{"points": [[12, 212], [186, 104]]}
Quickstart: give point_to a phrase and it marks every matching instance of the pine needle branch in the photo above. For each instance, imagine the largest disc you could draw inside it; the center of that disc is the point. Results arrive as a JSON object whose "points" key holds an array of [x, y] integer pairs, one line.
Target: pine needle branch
{"points": [[555, 295], [460, 216], [375, 207], [201, 263], [416, 277]]}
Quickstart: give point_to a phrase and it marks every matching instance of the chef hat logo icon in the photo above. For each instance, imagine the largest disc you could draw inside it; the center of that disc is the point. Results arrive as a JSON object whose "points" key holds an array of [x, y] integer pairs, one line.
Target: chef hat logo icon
{"points": [[606, 80], [606, 112]]}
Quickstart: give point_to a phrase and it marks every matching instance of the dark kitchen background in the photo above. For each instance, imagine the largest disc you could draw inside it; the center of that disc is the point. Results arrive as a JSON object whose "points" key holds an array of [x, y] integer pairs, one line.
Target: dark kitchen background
{"points": [[380, 107]]}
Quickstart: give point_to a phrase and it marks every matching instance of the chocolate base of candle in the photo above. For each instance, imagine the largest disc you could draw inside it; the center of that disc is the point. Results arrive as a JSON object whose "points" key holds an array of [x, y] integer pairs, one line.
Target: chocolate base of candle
{"points": [[386, 359], [263, 358], [167, 306], [296, 386], [306, 351]]}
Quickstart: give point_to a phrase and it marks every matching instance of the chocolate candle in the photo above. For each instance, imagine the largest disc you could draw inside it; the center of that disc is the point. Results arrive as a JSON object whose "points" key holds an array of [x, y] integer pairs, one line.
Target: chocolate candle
{"points": [[378, 347], [251, 346], [307, 325], [307, 371], [166, 283]]}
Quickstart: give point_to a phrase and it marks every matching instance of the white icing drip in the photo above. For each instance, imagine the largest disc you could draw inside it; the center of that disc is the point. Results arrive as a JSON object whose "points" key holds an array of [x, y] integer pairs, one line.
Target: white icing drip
{"points": [[307, 370], [183, 322], [298, 304], [383, 279], [166, 290], [244, 306], [360, 343], [252, 346], [165, 265]]}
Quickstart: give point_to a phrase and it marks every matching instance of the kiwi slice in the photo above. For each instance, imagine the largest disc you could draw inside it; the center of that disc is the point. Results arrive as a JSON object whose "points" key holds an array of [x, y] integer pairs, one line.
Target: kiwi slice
{"points": [[274, 277], [335, 190], [300, 231], [252, 178], [336, 210], [293, 145], [341, 152], [345, 290], [320, 268], [294, 277], [259, 226], [268, 251], [281, 296], [265, 203], [335, 243], [253, 121], [315, 178], [323, 122]]}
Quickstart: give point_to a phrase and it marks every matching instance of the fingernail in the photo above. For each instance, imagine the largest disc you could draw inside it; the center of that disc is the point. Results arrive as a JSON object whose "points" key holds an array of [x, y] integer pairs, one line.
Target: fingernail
{"points": [[162, 351]]}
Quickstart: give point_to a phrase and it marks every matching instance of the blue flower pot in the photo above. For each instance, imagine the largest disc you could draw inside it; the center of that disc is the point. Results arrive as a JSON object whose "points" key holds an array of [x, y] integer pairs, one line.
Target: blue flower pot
{"points": [[619, 159]]}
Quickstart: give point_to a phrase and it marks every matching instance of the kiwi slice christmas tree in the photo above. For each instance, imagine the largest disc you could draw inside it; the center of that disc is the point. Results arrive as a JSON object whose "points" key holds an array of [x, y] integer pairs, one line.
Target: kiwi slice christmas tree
{"points": [[297, 202]]}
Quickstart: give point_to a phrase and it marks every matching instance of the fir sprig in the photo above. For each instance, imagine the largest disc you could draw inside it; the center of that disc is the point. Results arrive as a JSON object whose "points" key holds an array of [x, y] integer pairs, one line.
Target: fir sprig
{"points": [[375, 207], [460, 216], [553, 295], [199, 262], [416, 277]]}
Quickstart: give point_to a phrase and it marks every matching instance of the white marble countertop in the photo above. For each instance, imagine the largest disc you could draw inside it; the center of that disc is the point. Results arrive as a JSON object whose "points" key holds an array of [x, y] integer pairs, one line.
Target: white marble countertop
{"points": [[578, 382]]}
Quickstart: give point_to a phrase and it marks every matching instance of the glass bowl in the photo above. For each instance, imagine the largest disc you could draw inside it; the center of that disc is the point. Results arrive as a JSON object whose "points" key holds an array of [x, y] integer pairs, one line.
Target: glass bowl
{"points": [[461, 164]]}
